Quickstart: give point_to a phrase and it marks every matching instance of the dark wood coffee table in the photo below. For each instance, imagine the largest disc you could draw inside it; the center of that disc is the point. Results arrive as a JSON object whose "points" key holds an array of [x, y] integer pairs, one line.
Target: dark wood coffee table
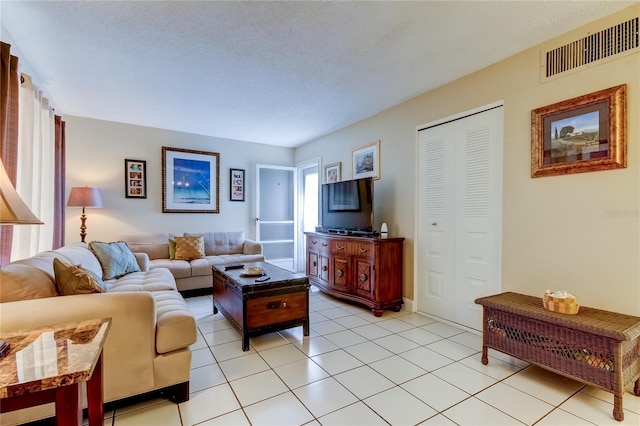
{"points": [[256, 308]]}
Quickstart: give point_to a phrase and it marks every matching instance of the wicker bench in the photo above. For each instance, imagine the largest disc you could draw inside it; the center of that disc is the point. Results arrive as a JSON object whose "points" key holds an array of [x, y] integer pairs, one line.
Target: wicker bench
{"points": [[595, 347]]}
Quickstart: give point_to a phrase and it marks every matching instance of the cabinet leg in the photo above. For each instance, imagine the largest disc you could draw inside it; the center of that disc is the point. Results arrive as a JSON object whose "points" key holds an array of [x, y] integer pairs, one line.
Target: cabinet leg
{"points": [[636, 388], [377, 312]]}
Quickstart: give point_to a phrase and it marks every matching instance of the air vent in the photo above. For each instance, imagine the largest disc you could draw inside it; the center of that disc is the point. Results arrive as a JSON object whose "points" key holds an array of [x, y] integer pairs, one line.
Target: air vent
{"points": [[595, 47]]}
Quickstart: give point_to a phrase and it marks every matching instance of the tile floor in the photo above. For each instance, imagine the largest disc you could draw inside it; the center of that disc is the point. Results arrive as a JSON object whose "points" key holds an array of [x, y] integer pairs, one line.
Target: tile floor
{"points": [[356, 369]]}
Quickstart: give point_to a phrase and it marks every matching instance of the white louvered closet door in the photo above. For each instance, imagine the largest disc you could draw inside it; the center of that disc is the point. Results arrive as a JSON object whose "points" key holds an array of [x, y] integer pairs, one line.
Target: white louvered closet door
{"points": [[460, 202]]}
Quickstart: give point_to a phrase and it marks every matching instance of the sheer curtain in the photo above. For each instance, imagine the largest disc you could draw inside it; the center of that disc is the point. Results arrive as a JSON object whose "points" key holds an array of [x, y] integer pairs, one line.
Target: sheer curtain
{"points": [[36, 170]]}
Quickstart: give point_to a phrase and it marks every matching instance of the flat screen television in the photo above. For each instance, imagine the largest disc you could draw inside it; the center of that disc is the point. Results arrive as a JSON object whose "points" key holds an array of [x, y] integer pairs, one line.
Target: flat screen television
{"points": [[347, 206]]}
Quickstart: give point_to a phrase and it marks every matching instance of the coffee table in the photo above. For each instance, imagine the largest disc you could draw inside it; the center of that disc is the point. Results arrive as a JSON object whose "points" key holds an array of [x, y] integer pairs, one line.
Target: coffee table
{"points": [[256, 308], [49, 363]]}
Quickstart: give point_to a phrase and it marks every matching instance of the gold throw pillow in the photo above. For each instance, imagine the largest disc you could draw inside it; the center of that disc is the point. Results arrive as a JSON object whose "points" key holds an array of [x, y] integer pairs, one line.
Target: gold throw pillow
{"points": [[188, 248]]}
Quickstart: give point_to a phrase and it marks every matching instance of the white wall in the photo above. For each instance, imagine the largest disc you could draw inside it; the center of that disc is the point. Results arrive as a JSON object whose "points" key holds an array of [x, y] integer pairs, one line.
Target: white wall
{"points": [[556, 230], [96, 151]]}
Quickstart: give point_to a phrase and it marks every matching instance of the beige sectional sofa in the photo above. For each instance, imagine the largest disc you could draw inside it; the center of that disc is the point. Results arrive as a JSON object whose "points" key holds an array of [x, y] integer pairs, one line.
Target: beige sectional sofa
{"points": [[147, 348], [221, 248]]}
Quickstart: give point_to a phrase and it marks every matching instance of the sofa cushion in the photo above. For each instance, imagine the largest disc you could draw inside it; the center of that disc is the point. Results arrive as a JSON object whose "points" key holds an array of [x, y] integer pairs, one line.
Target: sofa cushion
{"points": [[157, 279], [179, 268], [74, 279], [115, 259], [190, 247], [24, 282], [175, 326], [156, 244], [216, 243]]}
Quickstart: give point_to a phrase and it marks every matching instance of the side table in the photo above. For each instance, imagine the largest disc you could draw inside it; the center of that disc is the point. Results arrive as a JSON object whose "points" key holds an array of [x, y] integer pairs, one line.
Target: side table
{"points": [[48, 364]]}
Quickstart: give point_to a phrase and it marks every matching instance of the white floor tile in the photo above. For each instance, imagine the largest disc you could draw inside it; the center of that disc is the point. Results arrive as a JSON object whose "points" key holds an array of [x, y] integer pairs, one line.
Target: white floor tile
{"points": [[426, 358], [372, 331], [235, 418], [387, 405], [208, 404], [284, 409], [205, 377], [545, 385], [364, 381], [200, 343], [473, 341], [345, 338], [395, 325], [435, 391], [201, 357], [472, 411], [630, 401], [267, 341], [397, 369], [396, 344], [496, 368], [230, 350], [258, 387], [465, 378], [597, 411], [282, 355], [353, 415], [450, 349], [442, 329], [163, 413], [336, 361], [335, 312], [420, 336], [243, 366], [515, 403], [560, 417], [368, 352], [418, 320], [352, 321], [301, 373], [222, 336], [438, 420], [315, 346], [324, 396]]}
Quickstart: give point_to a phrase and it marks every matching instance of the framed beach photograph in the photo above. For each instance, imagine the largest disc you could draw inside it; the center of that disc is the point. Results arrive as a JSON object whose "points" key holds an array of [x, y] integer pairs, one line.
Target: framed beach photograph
{"points": [[333, 172], [135, 178], [366, 161], [236, 182], [582, 134], [190, 181]]}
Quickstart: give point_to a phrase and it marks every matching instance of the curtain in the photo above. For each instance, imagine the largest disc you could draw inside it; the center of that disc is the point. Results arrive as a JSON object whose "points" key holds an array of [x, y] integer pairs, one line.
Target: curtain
{"points": [[36, 170], [58, 196], [9, 84]]}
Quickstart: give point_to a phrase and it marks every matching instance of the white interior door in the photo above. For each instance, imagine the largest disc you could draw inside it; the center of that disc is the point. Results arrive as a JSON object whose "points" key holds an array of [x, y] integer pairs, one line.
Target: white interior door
{"points": [[460, 216], [276, 213]]}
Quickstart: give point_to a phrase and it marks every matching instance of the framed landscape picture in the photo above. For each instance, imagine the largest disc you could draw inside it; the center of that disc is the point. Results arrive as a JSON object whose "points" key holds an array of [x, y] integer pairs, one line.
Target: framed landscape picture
{"points": [[190, 181], [236, 182], [582, 134], [366, 161], [135, 178]]}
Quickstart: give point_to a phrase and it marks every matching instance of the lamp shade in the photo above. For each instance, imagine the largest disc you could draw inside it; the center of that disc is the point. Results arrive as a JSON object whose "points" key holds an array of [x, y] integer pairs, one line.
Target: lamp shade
{"points": [[12, 209], [84, 196]]}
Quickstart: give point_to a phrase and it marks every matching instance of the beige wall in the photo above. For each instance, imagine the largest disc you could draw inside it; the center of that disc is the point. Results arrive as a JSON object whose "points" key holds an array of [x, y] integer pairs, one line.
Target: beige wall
{"points": [[96, 151], [579, 232]]}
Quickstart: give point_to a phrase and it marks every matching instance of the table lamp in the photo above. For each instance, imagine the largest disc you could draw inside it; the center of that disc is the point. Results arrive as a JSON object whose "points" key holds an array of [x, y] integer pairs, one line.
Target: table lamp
{"points": [[84, 196]]}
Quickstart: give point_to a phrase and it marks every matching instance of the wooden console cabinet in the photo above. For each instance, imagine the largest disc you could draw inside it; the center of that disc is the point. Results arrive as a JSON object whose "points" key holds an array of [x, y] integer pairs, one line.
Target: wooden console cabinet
{"points": [[363, 270]]}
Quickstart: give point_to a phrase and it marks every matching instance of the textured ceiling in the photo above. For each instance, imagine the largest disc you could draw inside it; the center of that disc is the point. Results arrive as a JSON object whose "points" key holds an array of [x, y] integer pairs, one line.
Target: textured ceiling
{"points": [[280, 73]]}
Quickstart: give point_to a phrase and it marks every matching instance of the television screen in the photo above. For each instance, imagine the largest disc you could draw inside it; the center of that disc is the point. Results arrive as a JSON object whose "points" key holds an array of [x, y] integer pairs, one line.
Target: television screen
{"points": [[348, 205]]}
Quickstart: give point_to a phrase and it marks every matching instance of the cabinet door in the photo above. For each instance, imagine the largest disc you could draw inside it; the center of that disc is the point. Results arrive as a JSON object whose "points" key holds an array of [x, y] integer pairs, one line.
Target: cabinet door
{"points": [[324, 267], [364, 277], [312, 264], [341, 274]]}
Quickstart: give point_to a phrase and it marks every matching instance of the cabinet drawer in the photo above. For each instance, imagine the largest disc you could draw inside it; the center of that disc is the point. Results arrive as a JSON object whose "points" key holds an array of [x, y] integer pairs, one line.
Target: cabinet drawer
{"points": [[317, 243], [275, 309], [356, 248]]}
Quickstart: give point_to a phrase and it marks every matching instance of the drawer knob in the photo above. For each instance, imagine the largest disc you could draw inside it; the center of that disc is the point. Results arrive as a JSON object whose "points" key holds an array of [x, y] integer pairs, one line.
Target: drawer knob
{"points": [[314, 242], [363, 277], [340, 273], [324, 244], [324, 268], [315, 263]]}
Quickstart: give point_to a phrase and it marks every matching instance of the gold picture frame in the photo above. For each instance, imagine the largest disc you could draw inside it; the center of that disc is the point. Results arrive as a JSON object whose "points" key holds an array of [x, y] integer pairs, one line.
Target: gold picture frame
{"points": [[582, 134]]}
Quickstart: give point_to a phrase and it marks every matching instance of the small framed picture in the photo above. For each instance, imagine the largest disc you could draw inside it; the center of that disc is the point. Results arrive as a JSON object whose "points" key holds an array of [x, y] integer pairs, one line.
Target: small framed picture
{"points": [[332, 172], [135, 178], [366, 161], [236, 182]]}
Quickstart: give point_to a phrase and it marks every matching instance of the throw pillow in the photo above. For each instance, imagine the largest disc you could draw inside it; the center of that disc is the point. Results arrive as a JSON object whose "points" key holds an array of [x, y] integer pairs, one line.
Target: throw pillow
{"points": [[188, 248], [115, 259], [172, 249], [74, 279]]}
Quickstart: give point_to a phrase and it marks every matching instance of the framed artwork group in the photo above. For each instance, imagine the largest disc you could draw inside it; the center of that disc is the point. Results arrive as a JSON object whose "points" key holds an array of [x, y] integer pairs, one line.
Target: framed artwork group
{"points": [[135, 178]]}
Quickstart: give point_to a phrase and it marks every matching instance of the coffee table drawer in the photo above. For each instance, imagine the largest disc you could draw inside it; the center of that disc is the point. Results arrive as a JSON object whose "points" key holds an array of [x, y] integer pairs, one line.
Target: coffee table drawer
{"points": [[276, 309]]}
